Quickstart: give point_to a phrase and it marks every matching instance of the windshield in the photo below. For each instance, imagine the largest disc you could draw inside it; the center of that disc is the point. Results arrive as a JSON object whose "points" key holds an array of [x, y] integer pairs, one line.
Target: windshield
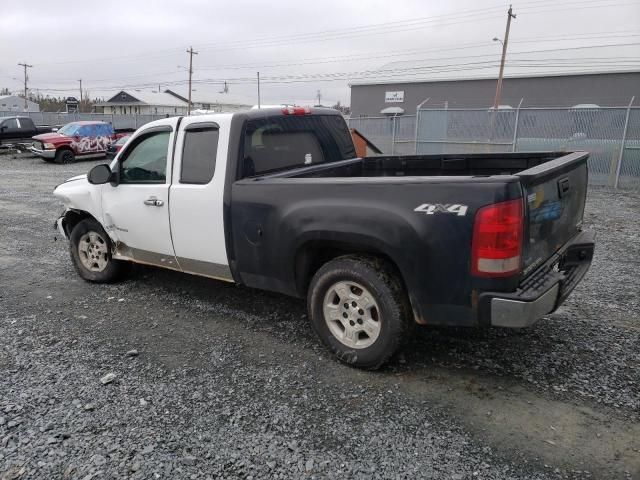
{"points": [[70, 129]]}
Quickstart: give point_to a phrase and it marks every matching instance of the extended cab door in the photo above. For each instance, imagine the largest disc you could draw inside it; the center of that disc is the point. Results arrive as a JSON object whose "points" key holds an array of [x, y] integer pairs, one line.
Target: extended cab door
{"points": [[9, 128], [197, 191], [136, 210]]}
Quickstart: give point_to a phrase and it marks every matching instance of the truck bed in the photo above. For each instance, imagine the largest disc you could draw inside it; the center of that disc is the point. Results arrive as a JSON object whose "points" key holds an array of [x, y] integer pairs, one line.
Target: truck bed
{"points": [[417, 210], [476, 165]]}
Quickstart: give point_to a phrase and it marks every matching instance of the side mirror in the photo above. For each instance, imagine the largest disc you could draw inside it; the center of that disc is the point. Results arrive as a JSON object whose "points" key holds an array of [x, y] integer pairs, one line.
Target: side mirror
{"points": [[3, 128], [99, 175]]}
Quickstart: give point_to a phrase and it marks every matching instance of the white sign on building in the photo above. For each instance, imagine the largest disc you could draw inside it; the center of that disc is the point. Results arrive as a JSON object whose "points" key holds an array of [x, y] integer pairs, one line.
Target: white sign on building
{"points": [[394, 97]]}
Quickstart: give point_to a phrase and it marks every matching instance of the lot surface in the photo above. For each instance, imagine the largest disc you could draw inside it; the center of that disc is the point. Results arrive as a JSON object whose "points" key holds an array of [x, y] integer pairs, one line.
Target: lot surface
{"points": [[230, 382]]}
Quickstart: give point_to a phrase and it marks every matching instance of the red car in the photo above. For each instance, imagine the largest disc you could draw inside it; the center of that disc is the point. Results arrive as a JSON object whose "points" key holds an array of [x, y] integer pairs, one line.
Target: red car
{"points": [[76, 139], [114, 148]]}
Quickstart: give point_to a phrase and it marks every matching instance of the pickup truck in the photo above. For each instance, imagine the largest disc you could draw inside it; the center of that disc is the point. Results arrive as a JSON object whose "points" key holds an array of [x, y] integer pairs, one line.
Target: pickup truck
{"points": [[88, 139], [14, 130], [277, 200]]}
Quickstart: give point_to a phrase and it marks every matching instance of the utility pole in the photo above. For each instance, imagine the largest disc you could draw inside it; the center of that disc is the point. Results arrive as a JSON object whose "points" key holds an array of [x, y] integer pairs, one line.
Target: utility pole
{"points": [[510, 15], [25, 65], [258, 89], [191, 53], [80, 106], [319, 98]]}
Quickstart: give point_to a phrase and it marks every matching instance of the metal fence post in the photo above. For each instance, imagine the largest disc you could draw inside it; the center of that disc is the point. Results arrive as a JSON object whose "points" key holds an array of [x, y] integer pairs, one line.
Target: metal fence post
{"points": [[515, 127], [393, 133], [418, 120], [622, 144]]}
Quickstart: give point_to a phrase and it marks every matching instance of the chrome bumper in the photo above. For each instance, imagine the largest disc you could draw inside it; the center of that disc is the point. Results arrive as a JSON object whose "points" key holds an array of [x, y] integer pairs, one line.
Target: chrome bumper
{"points": [[517, 314], [43, 153], [543, 291]]}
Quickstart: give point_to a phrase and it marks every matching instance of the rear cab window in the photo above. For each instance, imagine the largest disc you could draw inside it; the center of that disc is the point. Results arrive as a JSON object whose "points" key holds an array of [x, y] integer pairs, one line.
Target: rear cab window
{"points": [[286, 142]]}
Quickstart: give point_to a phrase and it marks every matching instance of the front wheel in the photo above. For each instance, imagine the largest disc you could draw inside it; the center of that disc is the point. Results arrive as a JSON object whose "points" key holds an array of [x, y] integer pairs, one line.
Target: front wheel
{"points": [[359, 309], [65, 155], [90, 249]]}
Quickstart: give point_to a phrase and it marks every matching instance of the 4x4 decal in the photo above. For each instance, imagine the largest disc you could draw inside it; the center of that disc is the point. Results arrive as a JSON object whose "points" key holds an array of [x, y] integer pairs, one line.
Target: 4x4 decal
{"points": [[432, 208]]}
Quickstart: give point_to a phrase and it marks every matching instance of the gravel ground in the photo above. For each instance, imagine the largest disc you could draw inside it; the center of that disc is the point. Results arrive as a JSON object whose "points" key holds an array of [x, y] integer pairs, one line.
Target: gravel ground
{"points": [[211, 380]]}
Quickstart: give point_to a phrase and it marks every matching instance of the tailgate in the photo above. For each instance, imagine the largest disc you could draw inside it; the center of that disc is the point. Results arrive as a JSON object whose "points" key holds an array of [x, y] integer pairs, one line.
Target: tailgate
{"points": [[555, 194]]}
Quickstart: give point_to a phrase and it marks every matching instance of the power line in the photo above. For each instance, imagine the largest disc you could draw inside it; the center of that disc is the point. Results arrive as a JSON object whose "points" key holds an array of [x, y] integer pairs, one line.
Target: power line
{"points": [[389, 54]]}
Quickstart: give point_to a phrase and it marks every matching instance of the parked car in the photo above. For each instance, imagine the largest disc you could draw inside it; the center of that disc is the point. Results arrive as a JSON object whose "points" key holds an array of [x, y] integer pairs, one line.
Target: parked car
{"points": [[14, 130], [115, 147], [88, 139], [276, 200]]}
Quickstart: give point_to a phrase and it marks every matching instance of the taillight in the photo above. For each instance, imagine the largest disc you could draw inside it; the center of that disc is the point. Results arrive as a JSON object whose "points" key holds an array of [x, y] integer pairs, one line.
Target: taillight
{"points": [[296, 110], [496, 250]]}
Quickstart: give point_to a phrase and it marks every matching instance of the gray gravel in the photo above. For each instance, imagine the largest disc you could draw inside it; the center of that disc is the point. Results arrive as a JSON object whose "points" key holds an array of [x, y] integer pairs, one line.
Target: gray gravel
{"points": [[210, 380]]}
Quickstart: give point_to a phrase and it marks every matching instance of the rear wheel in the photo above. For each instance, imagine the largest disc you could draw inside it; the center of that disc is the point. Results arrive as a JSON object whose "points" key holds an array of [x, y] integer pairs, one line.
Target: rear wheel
{"points": [[65, 156], [90, 249], [359, 310]]}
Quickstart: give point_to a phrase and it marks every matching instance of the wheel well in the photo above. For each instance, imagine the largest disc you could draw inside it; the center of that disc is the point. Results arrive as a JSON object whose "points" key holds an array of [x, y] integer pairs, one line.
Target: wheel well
{"points": [[312, 255], [72, 218], [64, 148]]}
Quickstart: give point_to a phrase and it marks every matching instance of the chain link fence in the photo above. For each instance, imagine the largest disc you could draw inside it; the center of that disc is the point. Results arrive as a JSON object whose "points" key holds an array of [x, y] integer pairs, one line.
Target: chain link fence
{"points": [[611, 135], [119, 121]]}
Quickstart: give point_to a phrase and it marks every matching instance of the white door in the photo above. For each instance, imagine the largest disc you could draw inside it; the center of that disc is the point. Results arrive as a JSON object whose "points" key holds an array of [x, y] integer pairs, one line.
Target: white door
{"points": [[136, 211], [197, 196]]}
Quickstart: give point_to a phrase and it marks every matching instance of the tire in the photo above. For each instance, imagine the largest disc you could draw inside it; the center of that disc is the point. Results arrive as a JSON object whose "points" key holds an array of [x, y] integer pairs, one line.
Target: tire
{"points": [[90, 249], [65, 155], [365, 294]]}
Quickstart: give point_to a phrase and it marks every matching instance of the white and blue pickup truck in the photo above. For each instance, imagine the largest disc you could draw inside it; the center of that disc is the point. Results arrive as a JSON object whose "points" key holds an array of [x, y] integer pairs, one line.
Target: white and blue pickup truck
{"points": [[276, 199]]}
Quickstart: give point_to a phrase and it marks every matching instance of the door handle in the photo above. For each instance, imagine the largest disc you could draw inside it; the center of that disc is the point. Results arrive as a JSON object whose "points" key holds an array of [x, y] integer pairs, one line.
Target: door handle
{"points": [[153, 202], [563, 186]]}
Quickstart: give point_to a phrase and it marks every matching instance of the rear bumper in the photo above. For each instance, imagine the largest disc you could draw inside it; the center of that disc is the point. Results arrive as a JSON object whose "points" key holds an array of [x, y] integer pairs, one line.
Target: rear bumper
{"points": [[543, 291]]}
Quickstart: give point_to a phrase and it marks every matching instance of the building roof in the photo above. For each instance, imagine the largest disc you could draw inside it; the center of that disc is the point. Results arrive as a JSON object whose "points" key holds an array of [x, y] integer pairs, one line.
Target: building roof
{"points": [[158, 99], [483, 77], [2, 97]]}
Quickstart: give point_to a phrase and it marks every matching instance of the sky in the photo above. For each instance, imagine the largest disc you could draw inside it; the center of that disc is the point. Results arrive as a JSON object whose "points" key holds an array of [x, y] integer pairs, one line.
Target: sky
{"points": [[301, 48]]}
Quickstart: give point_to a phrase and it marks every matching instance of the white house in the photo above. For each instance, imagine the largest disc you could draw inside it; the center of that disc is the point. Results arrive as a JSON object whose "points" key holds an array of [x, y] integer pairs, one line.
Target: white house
{"points": [[143, 103], [14, 103]]}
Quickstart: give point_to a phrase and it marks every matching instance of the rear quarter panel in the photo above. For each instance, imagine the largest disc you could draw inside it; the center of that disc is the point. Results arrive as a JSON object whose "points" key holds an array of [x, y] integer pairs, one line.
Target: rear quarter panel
{"points": [[272, 219]]}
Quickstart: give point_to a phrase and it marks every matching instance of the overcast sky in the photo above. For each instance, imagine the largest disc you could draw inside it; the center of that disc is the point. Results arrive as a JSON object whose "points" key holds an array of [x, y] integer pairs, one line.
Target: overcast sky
{"points": [[299, 46]]}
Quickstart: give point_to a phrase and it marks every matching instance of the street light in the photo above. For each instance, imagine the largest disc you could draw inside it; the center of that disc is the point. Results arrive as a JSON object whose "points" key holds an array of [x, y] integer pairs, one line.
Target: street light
{"points": [[496, 39]]}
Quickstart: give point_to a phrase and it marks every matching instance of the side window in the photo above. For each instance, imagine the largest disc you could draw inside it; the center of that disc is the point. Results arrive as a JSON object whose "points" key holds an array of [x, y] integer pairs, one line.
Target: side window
{"points": [[146, 160], [84, 131], [11, 124], [199, 154]]}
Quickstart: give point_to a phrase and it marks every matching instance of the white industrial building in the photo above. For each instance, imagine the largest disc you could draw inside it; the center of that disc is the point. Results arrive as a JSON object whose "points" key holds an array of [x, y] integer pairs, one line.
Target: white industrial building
{"points": [[15, 103]]}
